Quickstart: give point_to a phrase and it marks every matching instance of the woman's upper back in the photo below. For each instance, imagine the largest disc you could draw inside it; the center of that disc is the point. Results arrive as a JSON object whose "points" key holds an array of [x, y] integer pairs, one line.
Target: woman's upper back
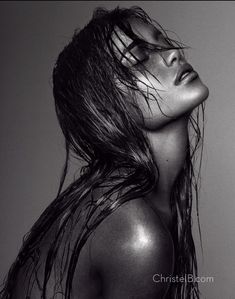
{"points": [[118, 260]]}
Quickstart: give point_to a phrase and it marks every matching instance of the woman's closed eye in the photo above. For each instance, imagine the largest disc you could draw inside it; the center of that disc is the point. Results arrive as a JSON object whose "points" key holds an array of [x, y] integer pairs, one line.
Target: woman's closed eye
{"points": [[141, 54], [136, 58]]}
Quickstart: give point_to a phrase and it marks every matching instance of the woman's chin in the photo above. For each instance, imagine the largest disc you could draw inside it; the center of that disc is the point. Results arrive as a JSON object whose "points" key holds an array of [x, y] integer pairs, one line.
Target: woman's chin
{"points": [[199, 94], [204, 92], [207, 92]]}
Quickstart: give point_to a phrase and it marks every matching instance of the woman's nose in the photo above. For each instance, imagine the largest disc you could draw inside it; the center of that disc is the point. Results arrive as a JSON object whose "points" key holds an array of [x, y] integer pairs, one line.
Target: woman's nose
{"points": [[172, 56]]}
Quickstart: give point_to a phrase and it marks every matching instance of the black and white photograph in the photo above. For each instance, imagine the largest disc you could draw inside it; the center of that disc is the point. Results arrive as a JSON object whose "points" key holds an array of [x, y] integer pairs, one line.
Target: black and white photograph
{"points": [[117, 149]]}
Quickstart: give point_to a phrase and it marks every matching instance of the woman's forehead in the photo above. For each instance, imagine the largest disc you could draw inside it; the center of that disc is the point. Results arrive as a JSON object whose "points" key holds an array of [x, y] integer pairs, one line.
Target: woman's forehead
{"points": [[141, 29]]}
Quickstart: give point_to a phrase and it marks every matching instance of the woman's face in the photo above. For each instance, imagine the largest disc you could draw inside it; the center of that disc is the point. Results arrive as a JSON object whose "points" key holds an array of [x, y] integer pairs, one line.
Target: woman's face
{"points": [[165, 76]]}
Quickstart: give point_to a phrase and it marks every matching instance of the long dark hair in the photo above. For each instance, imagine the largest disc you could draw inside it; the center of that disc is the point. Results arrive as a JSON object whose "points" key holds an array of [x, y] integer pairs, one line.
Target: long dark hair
{"points": [[94, 112]]}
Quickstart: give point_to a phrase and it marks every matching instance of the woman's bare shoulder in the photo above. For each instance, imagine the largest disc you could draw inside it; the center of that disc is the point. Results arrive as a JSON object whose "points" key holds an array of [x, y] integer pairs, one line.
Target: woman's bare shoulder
{"points": [[132, 223], [131, 245]]}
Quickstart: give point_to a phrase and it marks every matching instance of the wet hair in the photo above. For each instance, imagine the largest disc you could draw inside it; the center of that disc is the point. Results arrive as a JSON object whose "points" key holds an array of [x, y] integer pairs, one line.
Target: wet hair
{"points": [[95, 113]]}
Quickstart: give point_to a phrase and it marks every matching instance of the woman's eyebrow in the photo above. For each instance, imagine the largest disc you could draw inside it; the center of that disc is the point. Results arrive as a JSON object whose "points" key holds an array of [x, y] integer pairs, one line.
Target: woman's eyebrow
{"points": [[157, 33]]}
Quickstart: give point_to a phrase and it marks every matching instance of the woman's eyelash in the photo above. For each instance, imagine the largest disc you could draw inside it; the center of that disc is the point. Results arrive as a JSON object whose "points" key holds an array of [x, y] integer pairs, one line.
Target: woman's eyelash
{"points": [[140, 53], [141, 61]]}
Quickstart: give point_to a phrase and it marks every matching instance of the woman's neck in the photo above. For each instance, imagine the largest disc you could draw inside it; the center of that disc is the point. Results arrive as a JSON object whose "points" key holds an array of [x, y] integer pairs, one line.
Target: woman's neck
{"points": [[169, 148]]}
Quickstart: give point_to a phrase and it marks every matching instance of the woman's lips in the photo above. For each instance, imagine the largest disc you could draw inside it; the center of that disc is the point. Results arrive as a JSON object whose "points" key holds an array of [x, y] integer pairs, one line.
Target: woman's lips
{"points": [[185, 74], [188, 77]]}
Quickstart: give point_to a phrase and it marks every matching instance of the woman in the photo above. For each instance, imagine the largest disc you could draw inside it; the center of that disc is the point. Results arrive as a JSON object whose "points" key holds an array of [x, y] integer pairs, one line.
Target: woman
{"points": [[124, 95]]}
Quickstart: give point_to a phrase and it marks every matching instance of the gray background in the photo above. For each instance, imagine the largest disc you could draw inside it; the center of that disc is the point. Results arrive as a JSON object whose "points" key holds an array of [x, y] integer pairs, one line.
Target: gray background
{"points": [[32, 154]]}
